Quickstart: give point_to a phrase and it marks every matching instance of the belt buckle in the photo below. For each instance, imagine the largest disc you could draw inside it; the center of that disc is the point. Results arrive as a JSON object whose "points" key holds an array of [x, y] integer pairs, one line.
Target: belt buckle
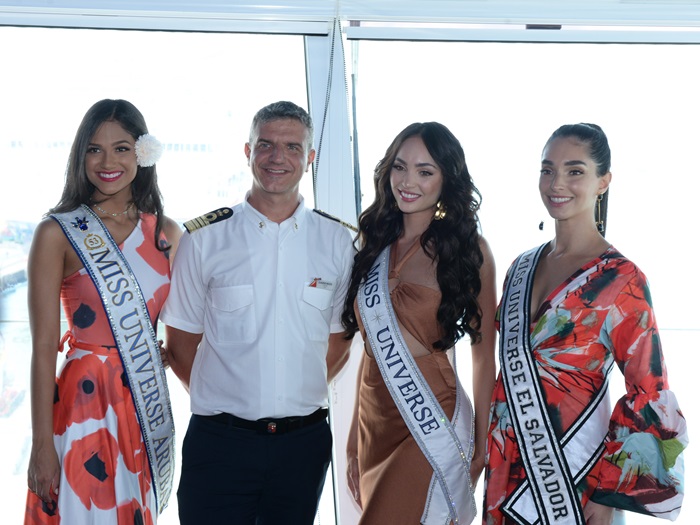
{"points": [[271, 427]]}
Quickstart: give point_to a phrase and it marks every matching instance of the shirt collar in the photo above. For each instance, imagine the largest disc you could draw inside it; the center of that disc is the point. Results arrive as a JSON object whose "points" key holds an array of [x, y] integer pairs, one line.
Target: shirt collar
{"points": [[261, 222]]}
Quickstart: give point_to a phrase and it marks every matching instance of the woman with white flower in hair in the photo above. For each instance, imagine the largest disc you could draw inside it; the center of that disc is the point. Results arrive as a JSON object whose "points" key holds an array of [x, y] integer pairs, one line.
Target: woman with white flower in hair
{"points": [[102, 444]]}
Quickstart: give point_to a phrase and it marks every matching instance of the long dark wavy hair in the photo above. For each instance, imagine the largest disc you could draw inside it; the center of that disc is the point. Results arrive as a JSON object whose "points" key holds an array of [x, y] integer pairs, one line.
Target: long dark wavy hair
{"points": [[453, 241], [78, 189]]}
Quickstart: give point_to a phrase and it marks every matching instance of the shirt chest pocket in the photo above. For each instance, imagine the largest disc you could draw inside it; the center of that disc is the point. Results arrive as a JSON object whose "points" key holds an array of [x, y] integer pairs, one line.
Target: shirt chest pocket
{"points": [[233, 314], [317, 312]]}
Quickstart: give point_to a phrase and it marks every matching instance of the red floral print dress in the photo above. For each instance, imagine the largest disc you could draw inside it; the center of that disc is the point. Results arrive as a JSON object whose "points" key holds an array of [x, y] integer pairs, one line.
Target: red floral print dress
{"points": [[105, 473], [601, 314]]}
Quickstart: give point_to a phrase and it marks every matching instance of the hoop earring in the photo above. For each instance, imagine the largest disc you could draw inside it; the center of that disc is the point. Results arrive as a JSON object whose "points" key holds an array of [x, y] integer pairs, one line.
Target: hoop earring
{"points": [[439, 212], [599, 223]]}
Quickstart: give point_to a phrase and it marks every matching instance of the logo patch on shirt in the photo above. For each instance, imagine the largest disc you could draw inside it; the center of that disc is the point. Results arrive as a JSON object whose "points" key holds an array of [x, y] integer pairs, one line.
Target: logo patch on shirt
{"points": [[318, 282]]}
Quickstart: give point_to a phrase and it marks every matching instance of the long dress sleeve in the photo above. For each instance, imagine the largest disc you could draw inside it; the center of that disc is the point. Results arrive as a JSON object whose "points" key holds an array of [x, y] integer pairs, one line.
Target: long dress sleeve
{"points": [[641, 468]]}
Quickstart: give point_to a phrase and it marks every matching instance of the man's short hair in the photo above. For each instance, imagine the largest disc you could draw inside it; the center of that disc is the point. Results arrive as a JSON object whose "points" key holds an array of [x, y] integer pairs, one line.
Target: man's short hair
{"points": [[283, 110]]}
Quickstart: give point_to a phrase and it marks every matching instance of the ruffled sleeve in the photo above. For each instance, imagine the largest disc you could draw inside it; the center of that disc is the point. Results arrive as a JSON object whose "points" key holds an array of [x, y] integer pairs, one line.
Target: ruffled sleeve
{"points": [[641, 468]]}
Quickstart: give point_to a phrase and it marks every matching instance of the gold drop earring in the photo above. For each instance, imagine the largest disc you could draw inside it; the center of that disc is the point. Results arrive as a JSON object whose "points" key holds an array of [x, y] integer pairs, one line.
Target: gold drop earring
{"points": [[439, 212], [599, 222]]}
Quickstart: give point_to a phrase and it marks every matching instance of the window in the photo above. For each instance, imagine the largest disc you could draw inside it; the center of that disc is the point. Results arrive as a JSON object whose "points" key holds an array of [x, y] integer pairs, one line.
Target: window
{"points": [[503, 100], [198, 93]]}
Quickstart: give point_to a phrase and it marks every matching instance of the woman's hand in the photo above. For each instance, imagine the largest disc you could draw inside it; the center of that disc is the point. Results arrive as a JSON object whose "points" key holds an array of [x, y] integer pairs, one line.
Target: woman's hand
{"points": [[596, 514], [44, 472], [353, 476]]}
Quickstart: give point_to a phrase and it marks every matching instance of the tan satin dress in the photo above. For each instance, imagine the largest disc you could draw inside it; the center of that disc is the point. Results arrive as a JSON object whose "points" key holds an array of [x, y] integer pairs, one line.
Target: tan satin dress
{"points": [[394, 474]]}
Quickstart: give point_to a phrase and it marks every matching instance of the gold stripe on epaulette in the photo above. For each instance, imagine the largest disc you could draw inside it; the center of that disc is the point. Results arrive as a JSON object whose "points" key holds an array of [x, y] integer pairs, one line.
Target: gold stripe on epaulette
{"points": [[336, 219], [208, 218]]}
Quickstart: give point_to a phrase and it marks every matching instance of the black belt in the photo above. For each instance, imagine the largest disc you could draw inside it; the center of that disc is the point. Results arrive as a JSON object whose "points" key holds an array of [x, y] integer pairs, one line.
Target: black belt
{"points": [[271, 425]]}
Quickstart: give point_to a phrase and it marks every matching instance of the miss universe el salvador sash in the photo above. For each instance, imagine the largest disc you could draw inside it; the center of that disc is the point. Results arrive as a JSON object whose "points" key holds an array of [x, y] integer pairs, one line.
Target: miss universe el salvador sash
{"points": [[135, 338], [554, 466], [447, 445]]}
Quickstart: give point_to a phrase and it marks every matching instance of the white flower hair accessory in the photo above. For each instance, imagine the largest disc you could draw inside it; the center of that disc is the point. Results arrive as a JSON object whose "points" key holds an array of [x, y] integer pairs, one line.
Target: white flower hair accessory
{"points": [[148, 150]]}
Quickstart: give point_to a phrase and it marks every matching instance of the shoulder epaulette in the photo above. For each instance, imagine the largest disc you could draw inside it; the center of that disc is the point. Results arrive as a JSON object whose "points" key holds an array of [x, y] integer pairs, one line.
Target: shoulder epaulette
{"points": [[336, 219], [208, 218]]}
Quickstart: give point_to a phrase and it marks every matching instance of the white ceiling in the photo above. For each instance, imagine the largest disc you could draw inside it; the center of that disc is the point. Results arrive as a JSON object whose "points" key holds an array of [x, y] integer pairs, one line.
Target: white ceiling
{"points": [[429, 19]]}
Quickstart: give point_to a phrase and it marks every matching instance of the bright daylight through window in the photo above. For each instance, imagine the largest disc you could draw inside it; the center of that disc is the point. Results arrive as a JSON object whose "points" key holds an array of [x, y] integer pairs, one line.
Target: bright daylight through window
{"points": [[199, 91]]}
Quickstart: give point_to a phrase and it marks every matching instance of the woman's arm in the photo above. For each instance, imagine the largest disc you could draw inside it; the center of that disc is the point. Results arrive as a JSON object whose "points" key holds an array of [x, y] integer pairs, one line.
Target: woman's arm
{"points": [[172, 232], [46, 266], [483, 360], [641, 468]]}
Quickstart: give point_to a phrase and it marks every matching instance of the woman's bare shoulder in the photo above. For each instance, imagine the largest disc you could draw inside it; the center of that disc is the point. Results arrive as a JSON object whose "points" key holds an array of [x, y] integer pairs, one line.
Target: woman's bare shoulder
{"points": [[48, 230]]}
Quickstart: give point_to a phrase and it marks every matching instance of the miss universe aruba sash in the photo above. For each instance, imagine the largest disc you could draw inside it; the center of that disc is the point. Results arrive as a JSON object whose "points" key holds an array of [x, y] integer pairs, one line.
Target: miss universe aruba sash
{"points": [[448, 446], [135, 338], [554, 467]]}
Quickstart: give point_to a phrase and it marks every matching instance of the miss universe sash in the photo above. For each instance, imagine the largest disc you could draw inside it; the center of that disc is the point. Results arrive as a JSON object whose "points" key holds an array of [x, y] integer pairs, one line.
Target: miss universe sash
{"points": [[554, 467], [448, 446], [135, 338]]}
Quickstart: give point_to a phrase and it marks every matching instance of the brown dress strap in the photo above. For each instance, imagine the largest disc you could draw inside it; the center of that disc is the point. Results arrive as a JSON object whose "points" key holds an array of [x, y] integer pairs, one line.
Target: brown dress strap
{"points": [[395, 270]]}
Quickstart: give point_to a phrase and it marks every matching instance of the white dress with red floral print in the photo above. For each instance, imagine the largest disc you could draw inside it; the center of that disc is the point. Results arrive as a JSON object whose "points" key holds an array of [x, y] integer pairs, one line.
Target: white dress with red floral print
{"points": [[105, 474]]}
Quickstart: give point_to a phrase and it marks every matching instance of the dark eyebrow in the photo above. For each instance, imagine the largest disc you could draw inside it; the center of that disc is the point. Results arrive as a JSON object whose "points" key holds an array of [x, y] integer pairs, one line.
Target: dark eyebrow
{"points": [[113, 144], [419, 165], [266, 141], [567, 163]]}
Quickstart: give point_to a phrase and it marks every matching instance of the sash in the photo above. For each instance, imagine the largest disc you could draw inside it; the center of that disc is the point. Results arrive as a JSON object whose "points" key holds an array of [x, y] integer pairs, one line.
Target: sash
{"points": [[554, 467], [135, 338], [448, 446]]}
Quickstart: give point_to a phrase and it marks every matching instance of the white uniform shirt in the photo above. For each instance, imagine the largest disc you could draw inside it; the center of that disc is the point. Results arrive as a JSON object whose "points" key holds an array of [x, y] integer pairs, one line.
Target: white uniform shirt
{"points": [[266, 297]]}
